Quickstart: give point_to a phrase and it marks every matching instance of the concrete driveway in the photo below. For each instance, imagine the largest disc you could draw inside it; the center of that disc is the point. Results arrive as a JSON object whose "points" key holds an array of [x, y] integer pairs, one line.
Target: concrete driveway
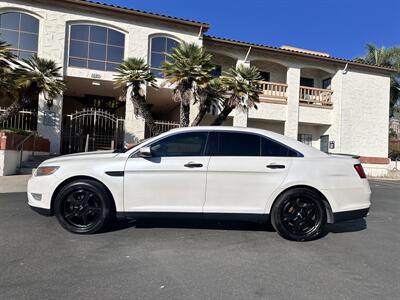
{"points": [[177, 259]]}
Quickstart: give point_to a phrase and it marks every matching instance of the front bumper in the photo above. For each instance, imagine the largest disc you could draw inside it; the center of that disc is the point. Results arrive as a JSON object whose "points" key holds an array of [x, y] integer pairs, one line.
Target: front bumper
{"points": [[41, 211], [43, 186]]}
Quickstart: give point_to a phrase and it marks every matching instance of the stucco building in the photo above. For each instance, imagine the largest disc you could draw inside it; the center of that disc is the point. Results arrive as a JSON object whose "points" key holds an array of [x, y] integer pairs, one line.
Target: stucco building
{"points": [[333, 104]]}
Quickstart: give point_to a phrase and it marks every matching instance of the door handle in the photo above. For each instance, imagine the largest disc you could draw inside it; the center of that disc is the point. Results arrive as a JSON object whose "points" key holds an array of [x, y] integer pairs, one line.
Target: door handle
{"points": [[274, 166], [193, 165]]}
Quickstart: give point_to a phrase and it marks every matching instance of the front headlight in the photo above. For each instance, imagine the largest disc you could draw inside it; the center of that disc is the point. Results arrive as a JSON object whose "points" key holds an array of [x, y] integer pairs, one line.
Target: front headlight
{"points": [[48, 170]]}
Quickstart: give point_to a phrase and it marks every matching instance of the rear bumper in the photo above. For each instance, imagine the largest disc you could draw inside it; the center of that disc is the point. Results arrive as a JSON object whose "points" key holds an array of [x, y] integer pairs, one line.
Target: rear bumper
{"points": [[350, 215]]}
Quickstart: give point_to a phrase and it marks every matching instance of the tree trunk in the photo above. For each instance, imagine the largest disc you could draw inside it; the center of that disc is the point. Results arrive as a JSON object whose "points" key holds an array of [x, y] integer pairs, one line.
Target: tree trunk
{"points": [[11, 111], [200, 115], [222, 115], [145, 112], [185, 115]]}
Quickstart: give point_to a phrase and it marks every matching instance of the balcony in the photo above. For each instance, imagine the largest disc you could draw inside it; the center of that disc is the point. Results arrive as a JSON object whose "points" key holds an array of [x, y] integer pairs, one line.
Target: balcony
{"points": [[315, 97], [273, 92]]}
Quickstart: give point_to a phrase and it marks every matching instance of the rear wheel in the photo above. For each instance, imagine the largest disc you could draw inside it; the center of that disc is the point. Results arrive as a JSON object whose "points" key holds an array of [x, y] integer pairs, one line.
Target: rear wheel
{"points": [[83, 207], [299, 215]]}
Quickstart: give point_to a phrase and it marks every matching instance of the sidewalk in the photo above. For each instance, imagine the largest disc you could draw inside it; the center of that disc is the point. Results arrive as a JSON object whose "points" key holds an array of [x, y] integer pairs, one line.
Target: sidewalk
{"points": [[14, 184]]}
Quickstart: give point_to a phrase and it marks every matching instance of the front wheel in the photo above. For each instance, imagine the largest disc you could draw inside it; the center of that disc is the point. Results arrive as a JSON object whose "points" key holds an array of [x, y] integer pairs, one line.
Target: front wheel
{"points": [[299, 215], [83, 207]]}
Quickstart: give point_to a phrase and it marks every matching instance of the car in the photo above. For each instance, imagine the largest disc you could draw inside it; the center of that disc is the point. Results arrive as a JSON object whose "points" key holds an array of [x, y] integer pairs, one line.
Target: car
{"points": [[205, 171]]}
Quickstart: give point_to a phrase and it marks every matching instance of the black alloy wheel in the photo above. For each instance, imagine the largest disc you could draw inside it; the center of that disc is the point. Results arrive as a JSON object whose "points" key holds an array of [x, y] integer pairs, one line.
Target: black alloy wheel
{"points": [[299, 215], [83, 206]]}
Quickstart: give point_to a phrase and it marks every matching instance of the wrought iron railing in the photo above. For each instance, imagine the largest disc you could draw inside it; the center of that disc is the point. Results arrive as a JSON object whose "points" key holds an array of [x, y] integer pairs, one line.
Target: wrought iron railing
{"points": [[91, 130], [161, 127], [23, 120]]}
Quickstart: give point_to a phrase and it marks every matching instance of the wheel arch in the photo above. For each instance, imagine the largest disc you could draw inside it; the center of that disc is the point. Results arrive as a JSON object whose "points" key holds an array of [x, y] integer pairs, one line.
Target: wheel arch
{"points": [[324, 199], [75, 178]]}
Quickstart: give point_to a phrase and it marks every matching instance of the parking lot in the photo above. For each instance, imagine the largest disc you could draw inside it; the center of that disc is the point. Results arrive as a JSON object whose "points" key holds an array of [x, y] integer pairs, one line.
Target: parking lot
{"points": [[186, 259]]}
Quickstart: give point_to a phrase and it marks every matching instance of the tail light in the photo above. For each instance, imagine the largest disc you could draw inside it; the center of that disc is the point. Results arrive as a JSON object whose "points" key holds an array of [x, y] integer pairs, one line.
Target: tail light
{"points": [[360, 170]]}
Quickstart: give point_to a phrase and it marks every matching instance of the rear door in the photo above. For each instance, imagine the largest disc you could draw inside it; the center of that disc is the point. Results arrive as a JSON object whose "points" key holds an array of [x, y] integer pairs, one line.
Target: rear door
{"points": [[244, 170]]}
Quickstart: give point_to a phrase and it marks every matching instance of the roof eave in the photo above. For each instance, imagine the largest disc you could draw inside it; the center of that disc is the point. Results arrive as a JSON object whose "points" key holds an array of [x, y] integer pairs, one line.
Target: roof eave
{"points": [[299, 54], [109, 7]]}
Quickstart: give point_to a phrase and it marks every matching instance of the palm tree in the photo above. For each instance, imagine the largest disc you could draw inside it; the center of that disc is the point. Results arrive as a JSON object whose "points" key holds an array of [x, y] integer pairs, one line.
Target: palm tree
{"points": [[35, 76], [6, 56], [7, 60], [388, 57], [212, 96], [134, 73], [243, 90], [188, 68]]}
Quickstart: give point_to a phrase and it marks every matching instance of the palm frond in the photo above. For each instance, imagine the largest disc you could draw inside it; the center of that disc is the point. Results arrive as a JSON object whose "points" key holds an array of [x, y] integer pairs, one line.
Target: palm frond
{"points": [[133, 71], [242, 86], [39, 75]]}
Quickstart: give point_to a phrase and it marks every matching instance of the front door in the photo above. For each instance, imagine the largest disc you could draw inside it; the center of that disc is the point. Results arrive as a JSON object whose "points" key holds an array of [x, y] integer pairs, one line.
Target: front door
{"points": [[244, 170], [173, 179], [324, 143]]}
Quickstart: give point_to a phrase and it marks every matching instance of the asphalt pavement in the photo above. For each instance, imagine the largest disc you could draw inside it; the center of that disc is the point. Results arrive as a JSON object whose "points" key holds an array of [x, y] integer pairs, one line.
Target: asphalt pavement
{"points": [[195, 259]]}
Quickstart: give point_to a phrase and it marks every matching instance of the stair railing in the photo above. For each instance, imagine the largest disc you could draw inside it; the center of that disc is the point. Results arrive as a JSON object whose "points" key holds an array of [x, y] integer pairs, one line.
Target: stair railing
{"points": [[20, 147]]}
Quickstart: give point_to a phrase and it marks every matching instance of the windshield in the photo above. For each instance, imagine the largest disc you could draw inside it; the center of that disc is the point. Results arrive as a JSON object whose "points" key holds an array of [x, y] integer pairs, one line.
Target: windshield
{"points": [[129, 146]]}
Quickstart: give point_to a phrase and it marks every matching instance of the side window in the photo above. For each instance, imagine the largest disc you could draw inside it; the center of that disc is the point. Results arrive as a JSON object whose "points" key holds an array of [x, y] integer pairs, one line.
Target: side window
{"points": [[272, 148], [21, 31], [234, 144], [305, 138], [159, 46], [184, 144]]}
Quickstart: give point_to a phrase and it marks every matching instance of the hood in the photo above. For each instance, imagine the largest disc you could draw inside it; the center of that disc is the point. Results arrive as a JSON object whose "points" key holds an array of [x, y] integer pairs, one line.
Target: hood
{"points": [[97, 155]]}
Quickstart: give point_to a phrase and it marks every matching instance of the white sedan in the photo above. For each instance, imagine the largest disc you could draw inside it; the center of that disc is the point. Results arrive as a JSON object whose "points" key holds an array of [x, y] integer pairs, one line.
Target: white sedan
{"points": [[208, 171]]}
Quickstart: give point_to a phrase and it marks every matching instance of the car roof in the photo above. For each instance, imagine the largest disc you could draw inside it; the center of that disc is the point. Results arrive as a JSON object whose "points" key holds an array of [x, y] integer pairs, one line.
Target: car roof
{"points": [[306, 150]]}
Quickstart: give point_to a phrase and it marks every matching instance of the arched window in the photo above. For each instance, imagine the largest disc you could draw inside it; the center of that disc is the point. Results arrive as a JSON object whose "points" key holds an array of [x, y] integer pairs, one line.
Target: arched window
{"points": [[159, 45], [95, 47], [21, 31]]}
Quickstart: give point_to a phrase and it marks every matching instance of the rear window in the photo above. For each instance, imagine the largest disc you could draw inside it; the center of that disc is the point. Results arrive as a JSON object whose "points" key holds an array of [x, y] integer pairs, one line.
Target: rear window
{"points": [[273, 148], [244, 144]]}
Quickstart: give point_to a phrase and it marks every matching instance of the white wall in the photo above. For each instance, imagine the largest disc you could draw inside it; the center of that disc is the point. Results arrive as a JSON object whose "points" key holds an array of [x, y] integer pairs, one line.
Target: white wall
{"points": [[364, 114], [9, 160]]}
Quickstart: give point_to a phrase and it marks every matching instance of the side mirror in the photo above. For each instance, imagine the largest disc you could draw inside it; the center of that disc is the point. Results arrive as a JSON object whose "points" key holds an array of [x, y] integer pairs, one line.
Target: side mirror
{"points": [[145, 152]]}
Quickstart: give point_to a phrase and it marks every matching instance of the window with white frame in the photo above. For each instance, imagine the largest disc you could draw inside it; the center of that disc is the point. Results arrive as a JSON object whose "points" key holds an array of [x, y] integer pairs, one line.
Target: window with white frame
{"points": [[21, 32], [305, 138], [159, 47], [95, 47]]}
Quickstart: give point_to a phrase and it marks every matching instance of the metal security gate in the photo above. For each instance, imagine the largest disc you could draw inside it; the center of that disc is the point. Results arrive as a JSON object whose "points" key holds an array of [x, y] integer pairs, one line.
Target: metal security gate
{"points": [[91, 130]]}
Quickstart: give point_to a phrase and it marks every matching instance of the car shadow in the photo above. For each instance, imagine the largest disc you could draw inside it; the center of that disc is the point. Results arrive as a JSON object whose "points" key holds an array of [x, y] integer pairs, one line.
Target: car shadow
{"points": [[182, 223], [210, 224], [347, 226]]}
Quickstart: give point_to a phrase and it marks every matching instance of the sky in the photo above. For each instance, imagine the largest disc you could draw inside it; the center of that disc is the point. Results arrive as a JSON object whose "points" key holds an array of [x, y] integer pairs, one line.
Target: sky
{"points": [[341, 28]]}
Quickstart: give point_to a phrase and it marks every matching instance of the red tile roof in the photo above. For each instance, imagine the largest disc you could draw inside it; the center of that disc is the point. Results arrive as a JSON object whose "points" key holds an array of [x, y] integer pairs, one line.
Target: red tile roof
{"points": [[140, 12]]}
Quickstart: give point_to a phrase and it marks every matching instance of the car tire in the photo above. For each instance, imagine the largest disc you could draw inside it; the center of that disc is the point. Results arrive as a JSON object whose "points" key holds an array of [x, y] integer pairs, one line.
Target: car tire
{"points": [[83, 207], [299, 215]]}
